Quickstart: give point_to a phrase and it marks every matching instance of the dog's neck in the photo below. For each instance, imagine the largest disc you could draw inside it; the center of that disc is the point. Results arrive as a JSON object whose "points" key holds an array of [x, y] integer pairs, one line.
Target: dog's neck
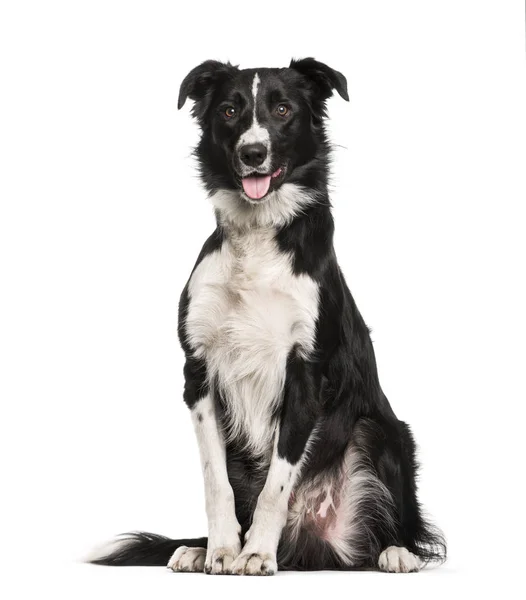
{"points": [[279, 208]]}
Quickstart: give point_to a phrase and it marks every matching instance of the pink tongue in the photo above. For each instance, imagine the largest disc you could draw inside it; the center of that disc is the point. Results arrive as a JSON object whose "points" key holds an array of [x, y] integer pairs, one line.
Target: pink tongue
{"points": [[256, 187]]}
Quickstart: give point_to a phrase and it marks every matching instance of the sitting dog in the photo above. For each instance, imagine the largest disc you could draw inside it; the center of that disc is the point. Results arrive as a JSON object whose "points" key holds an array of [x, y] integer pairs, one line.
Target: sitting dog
{"points": [[305, 464]]}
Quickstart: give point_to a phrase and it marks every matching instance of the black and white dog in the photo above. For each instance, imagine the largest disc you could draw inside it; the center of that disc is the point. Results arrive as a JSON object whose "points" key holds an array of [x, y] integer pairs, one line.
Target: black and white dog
{"points": [[305, 464]]}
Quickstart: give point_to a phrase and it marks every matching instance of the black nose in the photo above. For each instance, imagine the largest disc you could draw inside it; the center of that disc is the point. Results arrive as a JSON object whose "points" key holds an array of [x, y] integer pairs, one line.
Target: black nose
{"points": [[253, 155]]}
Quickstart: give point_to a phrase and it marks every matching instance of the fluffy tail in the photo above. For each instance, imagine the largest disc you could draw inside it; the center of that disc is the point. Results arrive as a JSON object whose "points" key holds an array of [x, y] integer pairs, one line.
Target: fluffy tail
{"points": [[140, 549]]}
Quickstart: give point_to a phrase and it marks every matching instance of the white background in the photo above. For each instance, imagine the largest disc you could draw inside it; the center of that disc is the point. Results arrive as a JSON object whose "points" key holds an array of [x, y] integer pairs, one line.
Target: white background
{"points": [[102, 218]]}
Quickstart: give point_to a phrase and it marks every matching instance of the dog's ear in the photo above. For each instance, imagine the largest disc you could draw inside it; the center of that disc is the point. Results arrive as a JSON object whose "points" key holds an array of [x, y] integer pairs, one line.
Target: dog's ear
{"points": [[199, 85], [324, 79]]}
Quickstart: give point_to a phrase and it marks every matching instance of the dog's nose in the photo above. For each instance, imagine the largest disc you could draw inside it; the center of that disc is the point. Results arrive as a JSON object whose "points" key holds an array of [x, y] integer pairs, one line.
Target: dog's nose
{"points": [[253, 155]]}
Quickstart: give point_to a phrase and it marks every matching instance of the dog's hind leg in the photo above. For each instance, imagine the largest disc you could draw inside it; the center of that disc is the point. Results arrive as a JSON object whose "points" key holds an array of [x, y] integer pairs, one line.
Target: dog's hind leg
{"points": [[412, 540], [339, 518]]}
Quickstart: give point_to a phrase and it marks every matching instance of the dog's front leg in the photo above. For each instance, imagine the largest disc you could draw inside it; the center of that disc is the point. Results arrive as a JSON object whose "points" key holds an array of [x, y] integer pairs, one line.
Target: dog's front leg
{"points": [[223, 527], [297, 421]]}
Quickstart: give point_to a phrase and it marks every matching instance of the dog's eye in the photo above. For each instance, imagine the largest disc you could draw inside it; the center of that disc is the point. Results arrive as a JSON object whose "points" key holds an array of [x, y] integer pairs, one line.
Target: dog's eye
{"points": [[230, 111], [282, 110]]}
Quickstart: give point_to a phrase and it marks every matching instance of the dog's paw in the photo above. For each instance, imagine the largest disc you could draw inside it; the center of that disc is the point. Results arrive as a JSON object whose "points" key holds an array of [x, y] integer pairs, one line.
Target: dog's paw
{"points": [[255, 563], [399, 560], [188, 560], [219, 560]]}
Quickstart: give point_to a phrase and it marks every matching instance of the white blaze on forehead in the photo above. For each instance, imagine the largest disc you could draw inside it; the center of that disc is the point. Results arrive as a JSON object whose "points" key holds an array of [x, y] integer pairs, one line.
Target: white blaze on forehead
{"points": [[256, 134], [255, 85]]}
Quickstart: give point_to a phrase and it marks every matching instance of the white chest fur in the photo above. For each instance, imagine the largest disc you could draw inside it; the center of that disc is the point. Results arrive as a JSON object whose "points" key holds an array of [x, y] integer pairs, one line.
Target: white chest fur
{"points": [[247, 310]]}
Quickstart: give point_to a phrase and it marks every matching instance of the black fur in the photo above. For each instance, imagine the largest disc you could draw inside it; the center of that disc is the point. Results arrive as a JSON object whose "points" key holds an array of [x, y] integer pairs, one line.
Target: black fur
{"points": [[338, 387], [146, 549], [301, 406]]}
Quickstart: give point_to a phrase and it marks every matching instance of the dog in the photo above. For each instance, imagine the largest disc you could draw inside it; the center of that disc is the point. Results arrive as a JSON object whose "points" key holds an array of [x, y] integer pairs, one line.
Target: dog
{"points": [[305, 464]]}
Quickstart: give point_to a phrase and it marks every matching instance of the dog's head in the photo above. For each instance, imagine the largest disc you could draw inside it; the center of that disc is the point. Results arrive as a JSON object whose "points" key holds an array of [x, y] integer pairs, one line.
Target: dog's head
{"points": [[261, 128]]}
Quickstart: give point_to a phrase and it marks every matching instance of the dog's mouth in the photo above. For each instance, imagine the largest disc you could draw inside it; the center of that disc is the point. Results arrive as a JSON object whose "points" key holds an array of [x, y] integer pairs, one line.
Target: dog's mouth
{"points": [[257, 185]]}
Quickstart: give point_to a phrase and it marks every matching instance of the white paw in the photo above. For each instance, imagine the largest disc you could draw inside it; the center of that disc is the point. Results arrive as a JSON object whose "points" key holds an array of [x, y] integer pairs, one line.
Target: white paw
{"points": [[219, 560], [255, 563], [399, 560], [190, 560]]}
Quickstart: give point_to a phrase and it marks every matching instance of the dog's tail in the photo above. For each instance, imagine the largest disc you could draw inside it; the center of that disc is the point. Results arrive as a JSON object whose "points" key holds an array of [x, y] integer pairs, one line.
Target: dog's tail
{"points": [[140, 549]]}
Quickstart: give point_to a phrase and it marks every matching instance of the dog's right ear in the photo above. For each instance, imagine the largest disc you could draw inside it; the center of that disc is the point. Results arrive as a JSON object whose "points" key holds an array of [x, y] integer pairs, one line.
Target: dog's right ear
{"points": [[199, 85]]}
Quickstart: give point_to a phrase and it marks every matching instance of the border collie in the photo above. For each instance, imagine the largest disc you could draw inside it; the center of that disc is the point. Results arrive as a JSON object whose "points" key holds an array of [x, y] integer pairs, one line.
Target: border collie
{"points": [[305, 464]]}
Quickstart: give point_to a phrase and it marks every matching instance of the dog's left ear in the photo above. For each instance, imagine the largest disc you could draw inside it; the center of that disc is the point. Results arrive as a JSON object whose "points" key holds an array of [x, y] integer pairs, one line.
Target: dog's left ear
{"points": [[322, 76], [199, 85]]}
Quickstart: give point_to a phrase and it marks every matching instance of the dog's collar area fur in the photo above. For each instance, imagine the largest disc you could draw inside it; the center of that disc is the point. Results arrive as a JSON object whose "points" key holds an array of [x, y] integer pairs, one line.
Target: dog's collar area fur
{"points": [[276, 210]]}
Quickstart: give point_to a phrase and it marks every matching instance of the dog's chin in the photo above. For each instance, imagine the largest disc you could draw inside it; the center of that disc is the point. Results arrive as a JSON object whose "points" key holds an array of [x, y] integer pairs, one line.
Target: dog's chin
{"points": [[257, 187]]}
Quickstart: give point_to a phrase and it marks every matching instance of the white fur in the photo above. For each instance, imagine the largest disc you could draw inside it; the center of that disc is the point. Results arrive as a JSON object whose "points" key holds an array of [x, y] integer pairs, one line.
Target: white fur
{"points": [[187, 559], [106, 549], [247, 310], [276, 209], [256, 134], [223, 527], [399, 560], [255, 84]]}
